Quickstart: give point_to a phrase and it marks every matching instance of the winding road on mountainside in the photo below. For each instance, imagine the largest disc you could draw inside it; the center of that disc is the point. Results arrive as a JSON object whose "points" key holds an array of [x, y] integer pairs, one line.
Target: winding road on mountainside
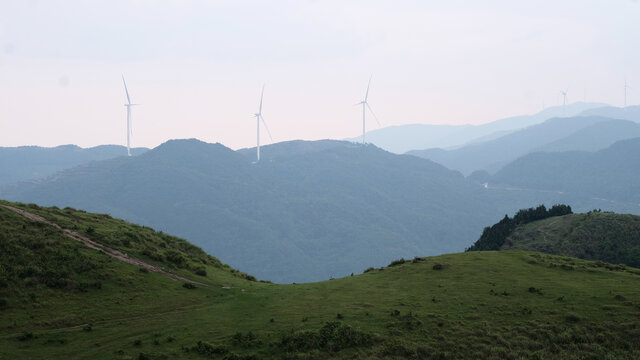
{"points": [[116, 254]]}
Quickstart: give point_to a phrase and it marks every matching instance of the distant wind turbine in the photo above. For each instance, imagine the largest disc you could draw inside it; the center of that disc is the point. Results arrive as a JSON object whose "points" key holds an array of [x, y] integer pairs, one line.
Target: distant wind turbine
{"points": [[259, 118], [365, 106], [128, 105], [564, 101], [626, 87]]}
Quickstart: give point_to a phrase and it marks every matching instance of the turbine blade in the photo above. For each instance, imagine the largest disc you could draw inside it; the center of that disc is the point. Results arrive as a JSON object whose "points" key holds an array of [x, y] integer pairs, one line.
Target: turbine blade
{"points": [[125, 90], [266, 127], [374, 114], [261, 96], [356, 104], [366, 95]]}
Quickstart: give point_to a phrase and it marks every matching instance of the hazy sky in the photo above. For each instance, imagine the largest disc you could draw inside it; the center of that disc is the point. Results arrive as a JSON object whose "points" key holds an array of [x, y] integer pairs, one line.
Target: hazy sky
{"points": [[198, 66]]}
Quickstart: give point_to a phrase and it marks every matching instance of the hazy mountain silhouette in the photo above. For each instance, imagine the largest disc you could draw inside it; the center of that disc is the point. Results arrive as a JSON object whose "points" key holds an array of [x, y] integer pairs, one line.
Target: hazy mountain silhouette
{"points": [[34, 162], [308, 211], [629, 113], [403, 138], [559, 134], [611, 173]]}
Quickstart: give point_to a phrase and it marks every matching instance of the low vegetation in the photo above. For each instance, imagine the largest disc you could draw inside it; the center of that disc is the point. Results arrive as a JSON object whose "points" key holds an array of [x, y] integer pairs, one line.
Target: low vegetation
{"points": [[611, 238], [494, 237], [490, 305]]}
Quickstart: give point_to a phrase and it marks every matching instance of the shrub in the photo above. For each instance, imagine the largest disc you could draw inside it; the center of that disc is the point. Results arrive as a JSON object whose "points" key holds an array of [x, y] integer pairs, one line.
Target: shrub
{"points": [[137, 342], [572, 318], [189, 286], [533, 290], [3, 303], [234, 356], [245, 340], [398, 262], [205, 348], [396, 348], [26, 336], [368, 269], [408, 321], [440, 266], [249, 277], [87, 328], [175, 258], [201, 272], [85, 286], [333, 336]]}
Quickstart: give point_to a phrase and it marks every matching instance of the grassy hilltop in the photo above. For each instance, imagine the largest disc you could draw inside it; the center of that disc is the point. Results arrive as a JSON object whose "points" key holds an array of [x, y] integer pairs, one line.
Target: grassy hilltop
{"points": [[609, 237], [60, 299], [596, 235]]}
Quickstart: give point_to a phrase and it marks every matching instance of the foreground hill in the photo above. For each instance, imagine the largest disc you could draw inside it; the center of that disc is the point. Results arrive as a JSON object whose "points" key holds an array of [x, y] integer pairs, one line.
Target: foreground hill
{"points": [[309, 211], [558, 134], [490, 305], [34, 162], [609, 237], [611, 173]]}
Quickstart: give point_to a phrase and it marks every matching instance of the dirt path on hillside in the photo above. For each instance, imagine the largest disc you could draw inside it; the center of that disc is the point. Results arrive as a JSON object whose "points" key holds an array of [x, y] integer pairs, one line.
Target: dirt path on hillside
{"points": [[116, 254]]}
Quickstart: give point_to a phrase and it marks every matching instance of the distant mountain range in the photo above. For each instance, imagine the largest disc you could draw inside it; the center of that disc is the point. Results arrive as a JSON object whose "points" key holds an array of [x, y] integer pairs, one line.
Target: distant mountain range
{"points": [[611, 173], [403, 138], [590, 133], [308, 211], [34, 162]]}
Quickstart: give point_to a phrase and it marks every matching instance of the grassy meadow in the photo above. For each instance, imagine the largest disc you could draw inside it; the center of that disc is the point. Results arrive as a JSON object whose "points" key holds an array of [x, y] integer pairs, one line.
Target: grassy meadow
{"points": [[495, 305]]}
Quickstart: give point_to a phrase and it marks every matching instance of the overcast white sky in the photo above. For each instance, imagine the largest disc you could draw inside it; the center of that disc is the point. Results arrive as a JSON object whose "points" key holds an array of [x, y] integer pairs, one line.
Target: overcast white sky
{"points": [[198, 66]]}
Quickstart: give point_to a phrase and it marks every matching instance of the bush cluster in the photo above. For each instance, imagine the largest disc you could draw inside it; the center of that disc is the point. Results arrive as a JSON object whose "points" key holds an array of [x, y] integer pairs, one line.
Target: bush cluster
{"points": [[333, 336], [494, 237]]}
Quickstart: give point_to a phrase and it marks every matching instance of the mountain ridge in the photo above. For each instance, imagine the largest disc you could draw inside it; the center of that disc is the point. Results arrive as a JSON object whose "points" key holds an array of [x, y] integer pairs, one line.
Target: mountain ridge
{"points": [[561, 133]]}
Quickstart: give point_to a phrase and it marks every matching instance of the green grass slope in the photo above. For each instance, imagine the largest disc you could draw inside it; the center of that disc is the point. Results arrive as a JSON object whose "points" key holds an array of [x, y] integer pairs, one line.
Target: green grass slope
{"points": [[610, 237], [490, 305]]}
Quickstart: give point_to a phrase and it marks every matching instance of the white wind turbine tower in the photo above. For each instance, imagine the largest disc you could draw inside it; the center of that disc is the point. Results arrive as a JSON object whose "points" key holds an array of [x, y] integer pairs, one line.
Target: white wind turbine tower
{"points": [[259, 118], [626, 87], [365, 106], [128, 105], [564, 101]]}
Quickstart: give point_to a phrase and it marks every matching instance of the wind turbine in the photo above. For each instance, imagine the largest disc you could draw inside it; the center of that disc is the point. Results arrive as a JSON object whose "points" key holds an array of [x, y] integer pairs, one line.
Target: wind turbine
{"points": [[626, 86], [259, 118], [564, 101], [128, 105], [365, 106]]}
